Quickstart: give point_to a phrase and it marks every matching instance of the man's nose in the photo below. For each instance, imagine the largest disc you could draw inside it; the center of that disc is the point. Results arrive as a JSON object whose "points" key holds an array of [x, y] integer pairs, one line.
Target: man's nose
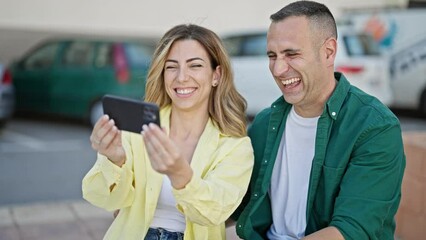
{"points": [[279, 67]]}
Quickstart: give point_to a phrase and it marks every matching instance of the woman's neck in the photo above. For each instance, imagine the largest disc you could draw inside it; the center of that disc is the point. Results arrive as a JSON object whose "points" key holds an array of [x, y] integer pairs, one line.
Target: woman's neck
{"points": [[187, 125]]}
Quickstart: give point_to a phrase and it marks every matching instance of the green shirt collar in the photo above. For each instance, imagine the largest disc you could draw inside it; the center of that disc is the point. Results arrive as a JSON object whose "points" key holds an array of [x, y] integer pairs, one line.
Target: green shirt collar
{"points": [[333, 104]]}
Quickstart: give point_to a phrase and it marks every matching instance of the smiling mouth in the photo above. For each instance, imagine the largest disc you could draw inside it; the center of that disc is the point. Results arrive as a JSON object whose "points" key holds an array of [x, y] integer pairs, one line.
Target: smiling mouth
{"points": [[184, 91], [290, 82]]}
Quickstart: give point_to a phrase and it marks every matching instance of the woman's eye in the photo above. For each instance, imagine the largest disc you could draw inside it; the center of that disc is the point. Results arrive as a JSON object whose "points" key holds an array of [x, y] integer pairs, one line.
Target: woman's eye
{"points": [[196, 65], [170, 67]]}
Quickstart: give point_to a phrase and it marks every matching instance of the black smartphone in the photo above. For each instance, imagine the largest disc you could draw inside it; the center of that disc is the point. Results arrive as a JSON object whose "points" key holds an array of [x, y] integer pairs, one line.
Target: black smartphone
{"points": [[130, 114]]}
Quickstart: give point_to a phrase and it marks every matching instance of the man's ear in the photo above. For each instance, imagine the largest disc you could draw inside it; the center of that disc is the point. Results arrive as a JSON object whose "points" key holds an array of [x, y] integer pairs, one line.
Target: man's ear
{"points": [[330, 47]]}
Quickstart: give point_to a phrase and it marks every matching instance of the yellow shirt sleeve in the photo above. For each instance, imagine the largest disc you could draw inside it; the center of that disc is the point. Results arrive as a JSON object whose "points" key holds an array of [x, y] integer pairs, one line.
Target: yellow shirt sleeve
{"points": [[96, 185], [212, 195]]}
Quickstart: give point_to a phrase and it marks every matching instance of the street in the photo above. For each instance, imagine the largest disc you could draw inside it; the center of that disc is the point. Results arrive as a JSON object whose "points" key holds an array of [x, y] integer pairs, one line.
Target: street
{"points": [[44, 159]]}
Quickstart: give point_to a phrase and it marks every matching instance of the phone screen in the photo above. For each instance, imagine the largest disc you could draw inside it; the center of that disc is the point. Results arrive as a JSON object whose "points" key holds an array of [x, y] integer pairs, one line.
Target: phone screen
{"points": [[130, 114]]}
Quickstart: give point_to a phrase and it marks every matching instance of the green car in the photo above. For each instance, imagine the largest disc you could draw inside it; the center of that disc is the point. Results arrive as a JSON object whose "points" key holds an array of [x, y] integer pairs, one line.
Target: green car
{"points": [[68, 77]]}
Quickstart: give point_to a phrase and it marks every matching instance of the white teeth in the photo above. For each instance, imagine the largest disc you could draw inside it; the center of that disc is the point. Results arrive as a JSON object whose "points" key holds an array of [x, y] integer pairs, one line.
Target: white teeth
{"points": [[290, 81], [185, 90]]}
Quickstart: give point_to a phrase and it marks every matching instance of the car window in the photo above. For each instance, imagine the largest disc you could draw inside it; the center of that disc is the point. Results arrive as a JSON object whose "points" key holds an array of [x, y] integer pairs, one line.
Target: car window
{"points": [[233, 45], [247, 45], [78, 54], [255, 46], [104, 55], [361, 45], [43, 57], [139, 55]]}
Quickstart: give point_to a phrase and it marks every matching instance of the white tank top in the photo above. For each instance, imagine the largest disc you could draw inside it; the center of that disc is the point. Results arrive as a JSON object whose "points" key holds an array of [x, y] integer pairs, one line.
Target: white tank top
{"points": [[290, 178], [166, 214]]}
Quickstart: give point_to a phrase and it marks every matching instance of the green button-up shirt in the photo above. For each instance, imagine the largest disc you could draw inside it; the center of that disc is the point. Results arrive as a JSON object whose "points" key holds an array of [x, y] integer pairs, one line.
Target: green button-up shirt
{"points": [[357, 170]]}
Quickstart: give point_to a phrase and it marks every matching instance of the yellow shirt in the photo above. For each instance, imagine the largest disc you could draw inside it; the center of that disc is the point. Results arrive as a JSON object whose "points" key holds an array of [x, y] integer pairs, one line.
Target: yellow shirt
{"points": [[222, 167]]}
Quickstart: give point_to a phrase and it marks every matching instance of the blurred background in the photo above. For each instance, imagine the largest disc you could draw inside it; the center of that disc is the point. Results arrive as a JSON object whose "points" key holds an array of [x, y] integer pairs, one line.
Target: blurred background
{"points": [[58, 58], [23, 22]]}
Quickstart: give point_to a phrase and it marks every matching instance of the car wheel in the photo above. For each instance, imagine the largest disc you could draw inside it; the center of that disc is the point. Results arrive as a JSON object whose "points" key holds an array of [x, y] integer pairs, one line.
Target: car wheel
{"points": [[422, 106], [2, 123], [96, 111]]}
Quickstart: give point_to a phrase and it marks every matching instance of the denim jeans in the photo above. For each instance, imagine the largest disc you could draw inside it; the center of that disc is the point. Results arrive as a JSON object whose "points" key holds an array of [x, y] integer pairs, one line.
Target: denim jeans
{"points": [[162, 234]]}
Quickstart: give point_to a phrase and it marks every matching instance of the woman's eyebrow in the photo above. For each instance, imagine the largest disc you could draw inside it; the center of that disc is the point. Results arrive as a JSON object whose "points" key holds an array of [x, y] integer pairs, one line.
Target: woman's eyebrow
{"points": [[189, 60], [195, 58]]}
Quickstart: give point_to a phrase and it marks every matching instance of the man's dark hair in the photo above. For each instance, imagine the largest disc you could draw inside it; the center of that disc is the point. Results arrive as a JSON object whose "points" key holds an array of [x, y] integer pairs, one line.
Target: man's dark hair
{"points": [[318, 14]]}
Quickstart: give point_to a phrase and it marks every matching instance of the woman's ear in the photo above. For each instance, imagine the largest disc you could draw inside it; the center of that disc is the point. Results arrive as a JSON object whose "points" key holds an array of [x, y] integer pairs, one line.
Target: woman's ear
{"points": [[216, 76]]}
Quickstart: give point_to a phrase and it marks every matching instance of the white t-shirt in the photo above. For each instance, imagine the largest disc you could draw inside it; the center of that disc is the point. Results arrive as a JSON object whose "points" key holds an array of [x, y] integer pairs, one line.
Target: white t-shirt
{"points": [[166, 215], [290, 178]]}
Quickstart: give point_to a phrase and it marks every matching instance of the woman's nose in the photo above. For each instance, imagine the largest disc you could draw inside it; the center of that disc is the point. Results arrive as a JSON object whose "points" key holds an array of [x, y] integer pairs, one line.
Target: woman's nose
{"points": [[183, 75]]}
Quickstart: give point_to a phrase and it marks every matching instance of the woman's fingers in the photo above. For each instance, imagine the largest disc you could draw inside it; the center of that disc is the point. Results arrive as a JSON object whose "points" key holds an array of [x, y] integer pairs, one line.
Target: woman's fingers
{"points": [[163, 141], [157, 143], [97, 133], [153, 142], [104, 131], [106, 139], [165, 156], [109, 136], [117, 139]]}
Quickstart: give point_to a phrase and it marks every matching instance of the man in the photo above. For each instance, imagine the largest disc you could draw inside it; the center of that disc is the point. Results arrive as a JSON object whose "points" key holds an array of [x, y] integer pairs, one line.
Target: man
{"points": [[329, 158]]}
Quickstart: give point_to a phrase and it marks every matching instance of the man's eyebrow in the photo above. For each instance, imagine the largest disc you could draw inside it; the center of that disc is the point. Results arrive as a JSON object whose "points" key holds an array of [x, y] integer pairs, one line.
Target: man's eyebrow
{"points": [[288, 50]]}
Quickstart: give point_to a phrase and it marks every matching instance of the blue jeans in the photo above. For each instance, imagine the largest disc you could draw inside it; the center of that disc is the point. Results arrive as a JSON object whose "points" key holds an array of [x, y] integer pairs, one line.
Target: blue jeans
{"points": [[162, 234]]}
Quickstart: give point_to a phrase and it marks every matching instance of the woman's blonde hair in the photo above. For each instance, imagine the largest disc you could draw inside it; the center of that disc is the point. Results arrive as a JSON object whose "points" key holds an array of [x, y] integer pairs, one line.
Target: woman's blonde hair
{"points": [[226, 106]]}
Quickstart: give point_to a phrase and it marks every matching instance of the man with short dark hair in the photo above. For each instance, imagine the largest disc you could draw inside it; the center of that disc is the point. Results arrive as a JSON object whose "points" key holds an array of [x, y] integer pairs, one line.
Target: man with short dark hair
{"points": [[329, 158]]}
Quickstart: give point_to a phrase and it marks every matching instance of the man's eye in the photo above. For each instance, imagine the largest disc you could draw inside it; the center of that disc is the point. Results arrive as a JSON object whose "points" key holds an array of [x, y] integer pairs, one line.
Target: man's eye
{"points": [[196, 65]]}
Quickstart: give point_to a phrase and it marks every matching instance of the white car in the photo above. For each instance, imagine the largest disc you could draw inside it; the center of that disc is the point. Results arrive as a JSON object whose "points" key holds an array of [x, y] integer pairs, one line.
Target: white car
{"points": [[401, 37], [357, 57], [251, 70], [408, 71]]}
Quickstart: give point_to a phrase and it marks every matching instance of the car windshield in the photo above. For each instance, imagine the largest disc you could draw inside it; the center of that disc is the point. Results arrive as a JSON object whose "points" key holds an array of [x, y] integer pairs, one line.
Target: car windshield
{"points": [[361, 45], [248, 45], [139, 54]]}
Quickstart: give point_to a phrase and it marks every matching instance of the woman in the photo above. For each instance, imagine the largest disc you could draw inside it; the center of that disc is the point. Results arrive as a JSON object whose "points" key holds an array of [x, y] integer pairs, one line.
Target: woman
{"points": [[185, 179]]}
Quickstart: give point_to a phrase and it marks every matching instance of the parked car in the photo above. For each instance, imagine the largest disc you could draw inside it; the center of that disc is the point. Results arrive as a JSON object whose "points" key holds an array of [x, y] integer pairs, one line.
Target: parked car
{"points": [[400, 35], [68, 77], [7, 96], [358, 57], [251, 69]]}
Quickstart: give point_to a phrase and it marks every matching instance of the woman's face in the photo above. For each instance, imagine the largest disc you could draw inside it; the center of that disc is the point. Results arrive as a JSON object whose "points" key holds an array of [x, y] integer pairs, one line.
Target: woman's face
{"points": [[188, 75]]}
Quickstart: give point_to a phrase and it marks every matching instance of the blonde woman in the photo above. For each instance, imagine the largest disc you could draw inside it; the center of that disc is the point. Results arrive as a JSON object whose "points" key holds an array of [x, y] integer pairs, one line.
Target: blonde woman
{"points": [[181, 181]]}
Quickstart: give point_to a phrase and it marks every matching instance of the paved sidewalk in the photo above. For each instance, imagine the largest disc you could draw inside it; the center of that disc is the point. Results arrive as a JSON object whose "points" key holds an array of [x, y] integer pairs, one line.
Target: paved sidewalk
{"points": [[67, 220]]}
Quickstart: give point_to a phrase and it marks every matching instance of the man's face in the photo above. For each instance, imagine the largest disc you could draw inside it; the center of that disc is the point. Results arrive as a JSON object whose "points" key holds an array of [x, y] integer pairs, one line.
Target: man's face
{"points": [[296, 62]]}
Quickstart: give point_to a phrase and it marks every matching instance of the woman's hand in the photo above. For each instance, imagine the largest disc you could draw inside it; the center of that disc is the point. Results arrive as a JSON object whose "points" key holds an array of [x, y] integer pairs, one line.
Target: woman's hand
{"points": [[106, 139], [165, 156]]}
